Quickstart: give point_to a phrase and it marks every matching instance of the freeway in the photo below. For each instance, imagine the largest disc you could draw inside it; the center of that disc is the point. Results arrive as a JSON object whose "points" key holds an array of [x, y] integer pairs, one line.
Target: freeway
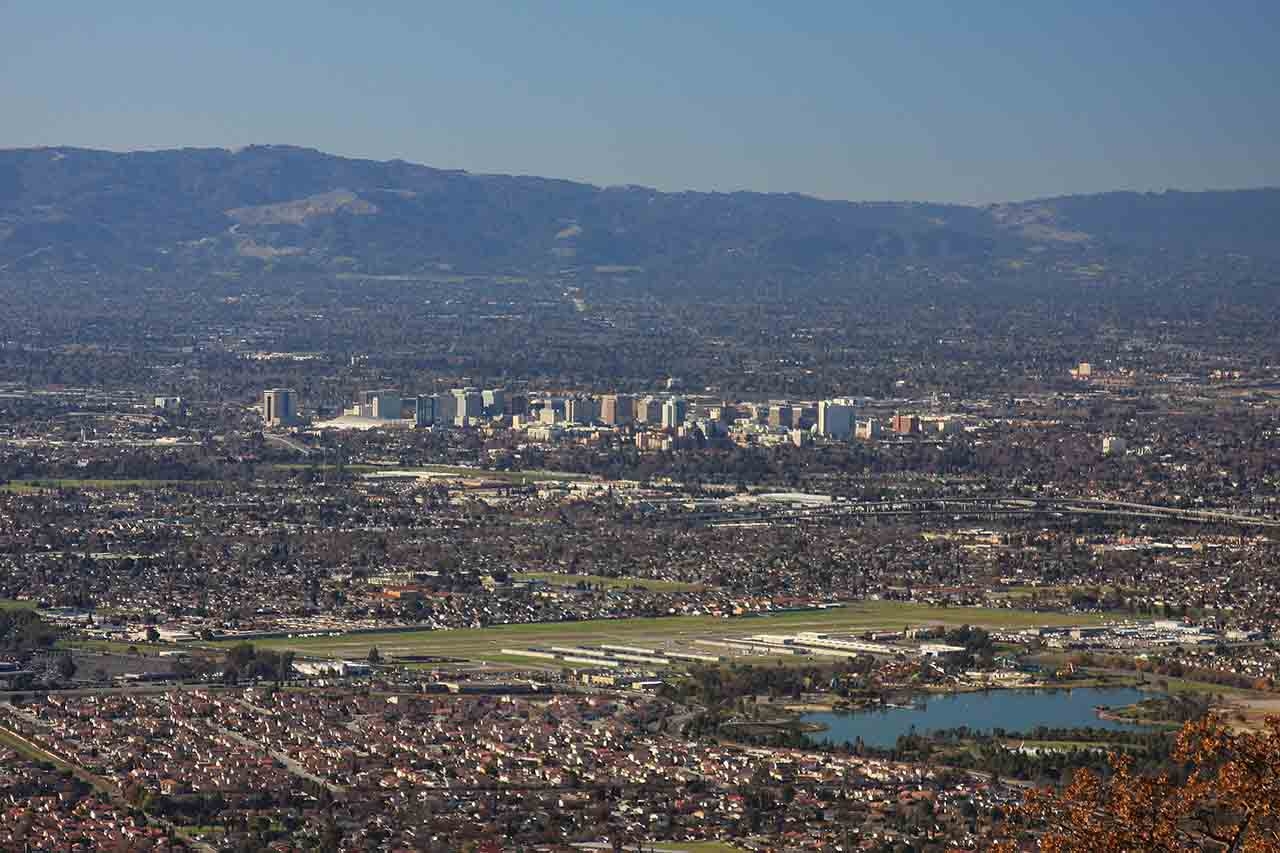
{"points": [[738, 514], [285, 441]]}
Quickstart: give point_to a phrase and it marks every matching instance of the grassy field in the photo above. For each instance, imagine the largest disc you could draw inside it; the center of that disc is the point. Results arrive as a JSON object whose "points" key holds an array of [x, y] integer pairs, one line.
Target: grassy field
{"points": [[37, 754], [308, 466], [1129, 678], [1183, 685], [691, 847], [24, 749], [610, 583], [486, 643], [10, 604], [119, 647]]}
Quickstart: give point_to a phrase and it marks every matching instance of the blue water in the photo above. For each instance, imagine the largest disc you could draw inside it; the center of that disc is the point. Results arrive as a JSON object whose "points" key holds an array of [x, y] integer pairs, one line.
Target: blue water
{"points": [[1011, 710]]}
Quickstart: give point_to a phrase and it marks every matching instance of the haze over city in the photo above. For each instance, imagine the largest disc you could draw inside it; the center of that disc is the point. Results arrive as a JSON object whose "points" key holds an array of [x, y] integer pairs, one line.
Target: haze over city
{"points": [[411, 440]]}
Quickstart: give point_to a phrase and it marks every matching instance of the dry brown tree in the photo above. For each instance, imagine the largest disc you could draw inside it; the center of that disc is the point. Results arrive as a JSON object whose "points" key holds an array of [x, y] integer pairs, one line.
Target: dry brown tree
{"points": [[1230, 800]]}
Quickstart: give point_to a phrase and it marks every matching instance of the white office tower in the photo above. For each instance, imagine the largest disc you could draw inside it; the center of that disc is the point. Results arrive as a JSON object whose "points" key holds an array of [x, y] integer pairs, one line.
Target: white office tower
{"points": [[674, 412], [494, 401], [649, 410], [278, 406], [835, 419], [469, 406]]}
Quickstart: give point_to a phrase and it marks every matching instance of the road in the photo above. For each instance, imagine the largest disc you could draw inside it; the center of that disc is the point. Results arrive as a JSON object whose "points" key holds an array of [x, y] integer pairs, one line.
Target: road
{"points": [[289, 764], [285, 441], [980, 508]]}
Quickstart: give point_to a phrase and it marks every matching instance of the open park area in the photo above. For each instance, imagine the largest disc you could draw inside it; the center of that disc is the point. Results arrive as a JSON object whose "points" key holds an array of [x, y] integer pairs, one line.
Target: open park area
{"points": [[486, 643]]}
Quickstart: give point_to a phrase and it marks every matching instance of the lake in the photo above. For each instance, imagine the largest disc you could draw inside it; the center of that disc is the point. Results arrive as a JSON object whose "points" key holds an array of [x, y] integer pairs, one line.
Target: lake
{"points": [[1012, 710]]}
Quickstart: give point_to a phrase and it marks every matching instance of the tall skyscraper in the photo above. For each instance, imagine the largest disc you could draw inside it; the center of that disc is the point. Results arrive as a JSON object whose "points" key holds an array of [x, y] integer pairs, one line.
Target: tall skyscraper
{"points": [[780, 416], [580, 410], [516, 404], [674, 412], [469, 405], [905, 424], [835, 419], [617, 409], [424, 411], [649, 410], [446, 408], [278, 407], [494, 402], [383, 404]]}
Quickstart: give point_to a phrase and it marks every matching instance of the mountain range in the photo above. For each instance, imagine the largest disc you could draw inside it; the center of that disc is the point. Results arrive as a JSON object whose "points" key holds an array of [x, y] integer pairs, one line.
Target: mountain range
{"points": [[278, 207]]}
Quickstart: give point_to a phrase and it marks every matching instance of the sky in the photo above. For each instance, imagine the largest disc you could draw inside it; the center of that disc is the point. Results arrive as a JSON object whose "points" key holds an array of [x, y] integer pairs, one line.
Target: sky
{"points": [[968, 101]]}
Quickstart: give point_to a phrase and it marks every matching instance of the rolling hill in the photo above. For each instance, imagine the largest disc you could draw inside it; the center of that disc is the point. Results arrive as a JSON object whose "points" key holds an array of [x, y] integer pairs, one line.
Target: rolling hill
{"points": [[273, 207]]}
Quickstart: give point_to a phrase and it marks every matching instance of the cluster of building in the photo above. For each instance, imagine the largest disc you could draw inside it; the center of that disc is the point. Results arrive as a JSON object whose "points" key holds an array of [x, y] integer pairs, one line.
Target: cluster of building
{"points": [[43, 808], [427, 772], [655, 422]]}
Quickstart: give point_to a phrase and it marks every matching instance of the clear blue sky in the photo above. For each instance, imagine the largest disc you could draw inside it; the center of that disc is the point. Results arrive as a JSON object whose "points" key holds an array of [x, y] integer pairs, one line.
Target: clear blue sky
{"points": [[966, 100]]}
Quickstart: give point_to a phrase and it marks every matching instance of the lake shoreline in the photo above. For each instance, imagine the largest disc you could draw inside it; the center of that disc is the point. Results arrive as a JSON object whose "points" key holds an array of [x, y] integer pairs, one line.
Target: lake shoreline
{"points": [[1016, 710]]}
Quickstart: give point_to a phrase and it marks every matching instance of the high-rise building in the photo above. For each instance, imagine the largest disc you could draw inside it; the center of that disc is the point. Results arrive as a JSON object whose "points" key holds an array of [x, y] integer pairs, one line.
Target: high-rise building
{"points": [[446, 408], [384, 404], [617, 409], [835, 420], [516, 405], [780, 416], [649, 410], [549, 410], [168, 405], [580, 410], [724, 412], [494, 402], [1113, 445], [867, 430], [468, 405], [674, 412], [906, 424], [278, 407], [424, 411]]}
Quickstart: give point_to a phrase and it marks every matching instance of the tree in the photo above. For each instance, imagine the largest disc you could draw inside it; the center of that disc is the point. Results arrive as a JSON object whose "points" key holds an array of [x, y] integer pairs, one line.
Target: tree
{"points": [[1229, 801], [375, 657]]}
